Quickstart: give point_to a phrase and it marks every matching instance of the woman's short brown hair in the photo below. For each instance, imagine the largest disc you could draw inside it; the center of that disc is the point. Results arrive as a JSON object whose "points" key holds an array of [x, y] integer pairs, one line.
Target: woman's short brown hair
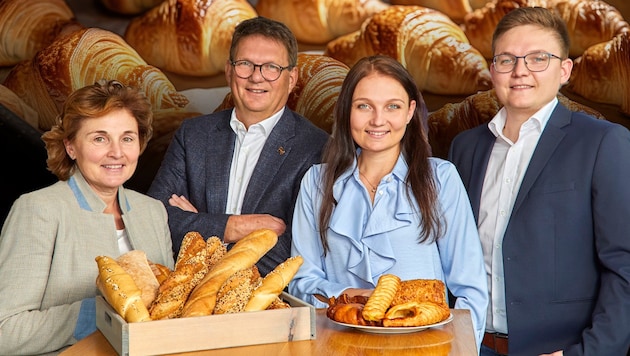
{"points": [[92, 101]]}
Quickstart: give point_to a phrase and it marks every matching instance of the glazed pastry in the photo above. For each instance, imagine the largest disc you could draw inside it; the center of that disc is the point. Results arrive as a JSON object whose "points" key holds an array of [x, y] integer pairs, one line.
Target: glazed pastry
{"points": [[27, 26], [188, 37], [455, 9], [381, 298], [415, 314], [602, 73], [588, 21], [319, 21], [82, 58], [431, 46], [130, 7]]}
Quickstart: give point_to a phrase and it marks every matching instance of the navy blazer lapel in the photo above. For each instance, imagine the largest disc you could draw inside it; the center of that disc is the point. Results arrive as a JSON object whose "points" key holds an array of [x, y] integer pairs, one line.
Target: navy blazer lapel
{"points": [[219, 148], [273, 154], [481, 155], [549, 140]]}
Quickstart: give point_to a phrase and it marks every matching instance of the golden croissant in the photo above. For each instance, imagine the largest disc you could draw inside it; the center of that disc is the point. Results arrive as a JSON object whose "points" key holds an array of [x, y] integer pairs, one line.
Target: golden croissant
{"points": [[82, 58], [319, 21], [188, 37], [455, 9], [130, 7], [589, 22], [602, 73], [426, 42], [416, 314], [26, 26]]}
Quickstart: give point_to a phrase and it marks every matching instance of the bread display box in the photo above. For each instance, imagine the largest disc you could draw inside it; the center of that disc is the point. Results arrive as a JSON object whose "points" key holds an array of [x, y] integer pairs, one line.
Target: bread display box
{"points": [[207, 332]]}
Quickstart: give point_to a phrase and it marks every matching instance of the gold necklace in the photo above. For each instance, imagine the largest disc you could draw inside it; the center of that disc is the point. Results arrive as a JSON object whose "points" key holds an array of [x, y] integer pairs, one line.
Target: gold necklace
{"points": [[373, 190]]}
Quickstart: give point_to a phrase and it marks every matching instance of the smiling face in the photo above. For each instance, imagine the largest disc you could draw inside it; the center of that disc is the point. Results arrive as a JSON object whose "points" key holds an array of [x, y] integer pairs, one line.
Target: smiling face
{"points": [[106, 150], [256, 98], [521, 91], [379, 115]]}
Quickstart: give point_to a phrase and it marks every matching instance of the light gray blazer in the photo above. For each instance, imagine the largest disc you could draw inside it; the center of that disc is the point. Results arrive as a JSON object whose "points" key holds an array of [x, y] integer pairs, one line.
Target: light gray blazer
{"points": [[47, 249]]}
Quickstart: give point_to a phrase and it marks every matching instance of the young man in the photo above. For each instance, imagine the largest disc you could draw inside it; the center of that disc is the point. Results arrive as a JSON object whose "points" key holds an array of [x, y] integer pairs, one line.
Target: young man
{"points": [[235, 171], [549, 191]]}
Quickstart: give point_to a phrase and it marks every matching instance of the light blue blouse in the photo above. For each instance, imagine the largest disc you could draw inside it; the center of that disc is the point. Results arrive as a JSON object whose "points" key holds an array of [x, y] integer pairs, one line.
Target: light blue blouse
{"points": [[366, 241]]}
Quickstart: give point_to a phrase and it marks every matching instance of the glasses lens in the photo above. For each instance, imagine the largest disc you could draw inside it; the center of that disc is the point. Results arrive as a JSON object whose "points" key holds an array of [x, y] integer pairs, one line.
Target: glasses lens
{"points": [[270, 71], [243, 69], [537, 62], [504, 63]]}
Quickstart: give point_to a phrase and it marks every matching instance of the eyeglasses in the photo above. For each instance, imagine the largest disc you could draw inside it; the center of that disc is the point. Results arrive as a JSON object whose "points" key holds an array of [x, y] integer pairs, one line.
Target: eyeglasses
{"points": [[269, 71], [535, 62]]}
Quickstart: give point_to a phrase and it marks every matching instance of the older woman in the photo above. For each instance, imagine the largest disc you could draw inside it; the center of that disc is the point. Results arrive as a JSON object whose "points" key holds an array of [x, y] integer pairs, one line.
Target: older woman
{"points": [[51, 236]]}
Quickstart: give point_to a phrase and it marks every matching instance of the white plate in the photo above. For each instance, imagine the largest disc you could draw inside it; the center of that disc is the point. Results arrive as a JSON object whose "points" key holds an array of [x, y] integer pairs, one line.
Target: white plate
{"points": [[394, 329]]}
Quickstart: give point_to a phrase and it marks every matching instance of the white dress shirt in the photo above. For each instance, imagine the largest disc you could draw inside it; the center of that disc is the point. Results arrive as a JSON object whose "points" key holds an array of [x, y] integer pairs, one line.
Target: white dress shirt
{"points": [[247, 148], [506, 169]]}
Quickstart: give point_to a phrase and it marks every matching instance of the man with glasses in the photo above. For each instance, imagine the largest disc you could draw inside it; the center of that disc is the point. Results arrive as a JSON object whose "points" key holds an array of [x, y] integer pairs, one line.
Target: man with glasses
{"points": [[549, 191], [232, 172]]}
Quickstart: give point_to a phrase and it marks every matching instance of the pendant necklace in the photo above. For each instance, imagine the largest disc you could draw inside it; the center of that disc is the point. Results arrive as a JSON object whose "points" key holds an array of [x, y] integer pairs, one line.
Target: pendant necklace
{"points": [[373, 190]]}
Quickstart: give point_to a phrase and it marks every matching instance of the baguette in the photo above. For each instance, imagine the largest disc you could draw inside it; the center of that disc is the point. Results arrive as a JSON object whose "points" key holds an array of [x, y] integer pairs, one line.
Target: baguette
{"points": [[120, 291], [273, 284], [190, 268], [244, 254]]}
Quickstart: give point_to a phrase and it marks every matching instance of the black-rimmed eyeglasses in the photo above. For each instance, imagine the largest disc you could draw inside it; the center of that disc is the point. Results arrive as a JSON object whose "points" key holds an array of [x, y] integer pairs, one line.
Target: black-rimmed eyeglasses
{"points": [[269, 71], [535, 62]]}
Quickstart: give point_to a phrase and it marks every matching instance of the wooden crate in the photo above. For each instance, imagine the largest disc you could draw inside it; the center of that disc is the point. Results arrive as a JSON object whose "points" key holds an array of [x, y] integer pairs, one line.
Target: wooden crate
{"points": [[208, 332]]}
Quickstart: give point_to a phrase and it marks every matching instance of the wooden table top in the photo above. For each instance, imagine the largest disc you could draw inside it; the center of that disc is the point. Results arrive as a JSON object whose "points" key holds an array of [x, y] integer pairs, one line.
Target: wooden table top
{"points": [[455, 338]]}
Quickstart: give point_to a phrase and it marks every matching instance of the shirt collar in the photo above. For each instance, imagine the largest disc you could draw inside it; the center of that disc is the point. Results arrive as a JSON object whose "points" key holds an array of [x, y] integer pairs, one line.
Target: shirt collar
{"points": [[265, 126], [541, 117]]}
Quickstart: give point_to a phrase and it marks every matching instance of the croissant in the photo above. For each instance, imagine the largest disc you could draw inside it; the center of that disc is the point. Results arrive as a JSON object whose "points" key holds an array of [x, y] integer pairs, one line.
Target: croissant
{"points": [[416, 314], [316, 91], [446, 122], [602, 73], [130, 7], [82, 58], [319, 21], [589, 22], [188, 37], [26, 26], [14, 103], [455, 9], [431, 46]]}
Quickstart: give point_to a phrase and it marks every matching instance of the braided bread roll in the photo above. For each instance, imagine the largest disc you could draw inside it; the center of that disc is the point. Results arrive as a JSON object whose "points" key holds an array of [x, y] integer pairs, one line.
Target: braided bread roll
{"points": [[82, 58], [380, 300], [602, 73], [433, 48], [319, 21], [187, 36], [26, 26]]}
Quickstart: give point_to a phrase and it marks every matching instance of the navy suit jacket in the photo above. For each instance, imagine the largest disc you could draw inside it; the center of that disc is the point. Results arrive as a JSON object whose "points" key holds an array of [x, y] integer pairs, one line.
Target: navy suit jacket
{"points": [[197, 165], [566, 249]]}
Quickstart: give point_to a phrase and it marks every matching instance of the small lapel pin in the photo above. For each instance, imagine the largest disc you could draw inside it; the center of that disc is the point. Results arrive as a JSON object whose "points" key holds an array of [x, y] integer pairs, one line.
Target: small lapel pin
{"points": [[281, 150]]}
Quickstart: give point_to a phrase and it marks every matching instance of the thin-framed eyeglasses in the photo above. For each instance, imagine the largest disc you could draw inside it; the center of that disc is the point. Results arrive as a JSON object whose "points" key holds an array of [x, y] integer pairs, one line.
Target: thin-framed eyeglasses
{"points": [[535, 62], [269, 71]]}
